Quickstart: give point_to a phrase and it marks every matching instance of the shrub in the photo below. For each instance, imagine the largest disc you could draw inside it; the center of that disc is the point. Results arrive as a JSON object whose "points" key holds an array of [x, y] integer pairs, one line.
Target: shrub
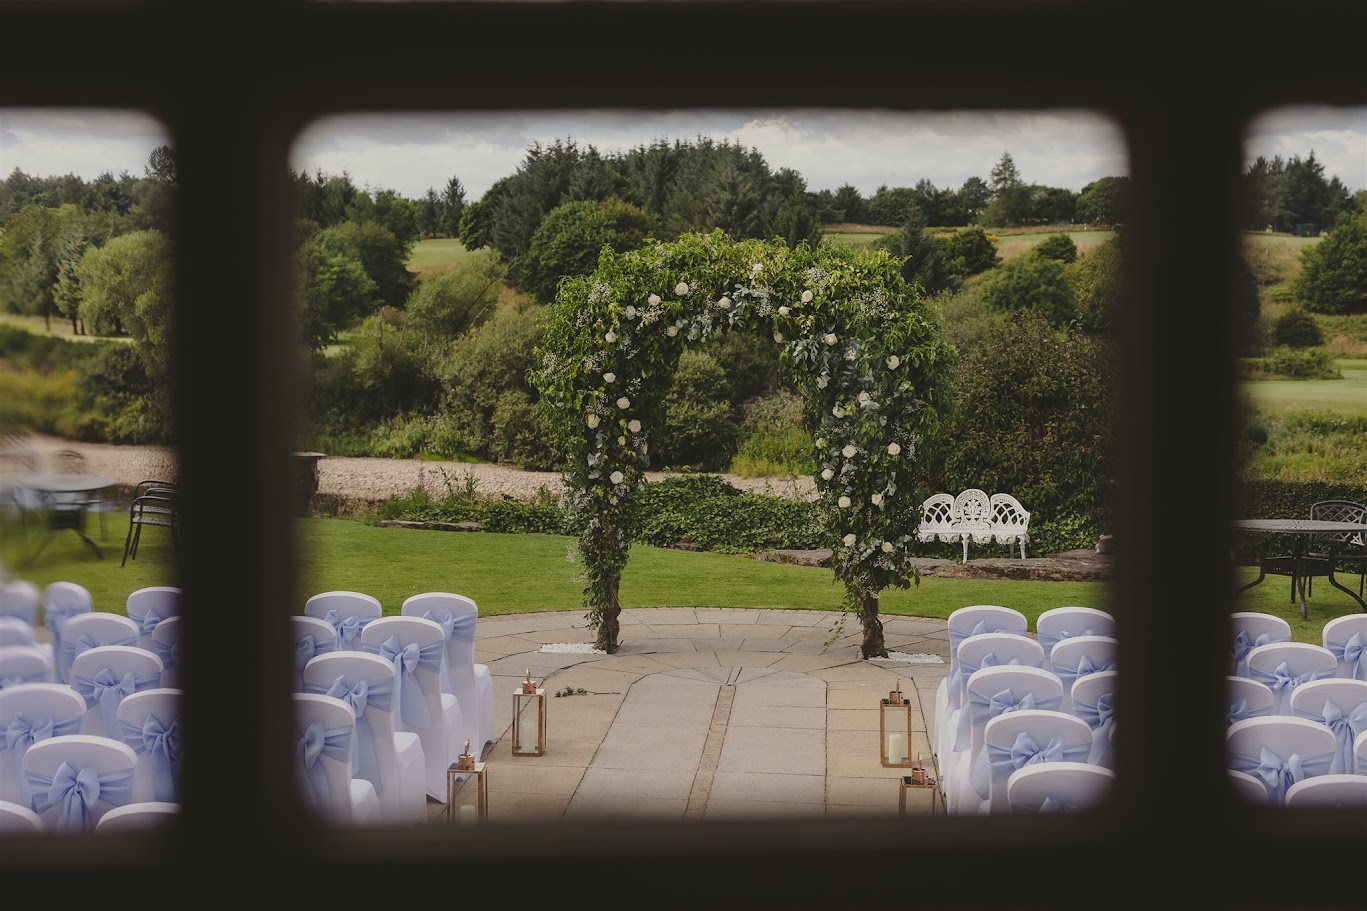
{"points": [[972, 250], [570, 238], [1058, 247], [1297, 329], [519, 434], [1097, 280], [715, 515], [1333, 276], [1032, 282], [773, 440], [1292, 364], [445, 305], [699, 429]]}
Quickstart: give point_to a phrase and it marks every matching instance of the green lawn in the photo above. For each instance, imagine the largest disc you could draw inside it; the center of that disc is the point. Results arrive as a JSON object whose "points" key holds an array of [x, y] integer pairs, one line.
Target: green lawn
{"points": [[437, 254], [1010, 246], [1347, 395], [509, 574]]}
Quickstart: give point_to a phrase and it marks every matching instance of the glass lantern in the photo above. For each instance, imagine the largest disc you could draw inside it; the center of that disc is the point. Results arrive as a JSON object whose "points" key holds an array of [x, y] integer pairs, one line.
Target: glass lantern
{"points": [[894, 730], [920, 781], [467, 790], [529, 718]]}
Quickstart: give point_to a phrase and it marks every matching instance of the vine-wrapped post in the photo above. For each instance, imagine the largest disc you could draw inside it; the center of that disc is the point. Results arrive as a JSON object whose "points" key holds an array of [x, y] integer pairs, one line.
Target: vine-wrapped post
{"points": [[854, 338]]}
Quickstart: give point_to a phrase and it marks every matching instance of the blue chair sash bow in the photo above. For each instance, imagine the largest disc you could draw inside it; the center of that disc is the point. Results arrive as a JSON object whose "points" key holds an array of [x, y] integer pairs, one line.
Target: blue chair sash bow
{"points": [[307, 649], [1346, 727], [1100, 717], [168, 652], [412, 704], [315, 742], [997, 762], [461, 627], [954, 687], [1278, 773], [1351, 654], [1052, 804], [150, 620], [1239, 710], [107, 691], [965, 722], [54, 615], [982, 709], [77, 792], [161, 743], [360, 696], [1283, 682], [1049, 640], [23, 732], [1245, 643], [1085, 665], [348, 628]]}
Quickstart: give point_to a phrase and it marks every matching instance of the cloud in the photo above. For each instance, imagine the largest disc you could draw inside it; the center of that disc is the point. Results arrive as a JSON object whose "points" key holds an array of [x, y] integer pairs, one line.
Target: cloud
{"points": [[51, 142], [1337, 136]]}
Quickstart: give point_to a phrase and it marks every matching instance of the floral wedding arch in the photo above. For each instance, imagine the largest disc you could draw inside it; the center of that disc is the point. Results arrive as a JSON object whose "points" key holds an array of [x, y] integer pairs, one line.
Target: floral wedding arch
{"points": [[857, 342]]}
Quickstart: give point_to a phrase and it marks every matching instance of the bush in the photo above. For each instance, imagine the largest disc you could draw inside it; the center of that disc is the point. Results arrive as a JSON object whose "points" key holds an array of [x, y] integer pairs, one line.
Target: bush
{"points": [[1097, 280], [715, 515], [570, 238], [1058, 247], [1033, 282], [972, 250], [519, 433], [773, 439], [1291, 364], [699, 428], [1297, 329], [1333, 276]]}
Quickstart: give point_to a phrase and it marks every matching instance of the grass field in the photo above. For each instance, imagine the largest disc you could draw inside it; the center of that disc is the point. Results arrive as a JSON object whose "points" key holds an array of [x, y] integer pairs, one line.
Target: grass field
{"points": [[1346, 396], [58, 327], [1009, 246], [510, 574], [436, 255]]}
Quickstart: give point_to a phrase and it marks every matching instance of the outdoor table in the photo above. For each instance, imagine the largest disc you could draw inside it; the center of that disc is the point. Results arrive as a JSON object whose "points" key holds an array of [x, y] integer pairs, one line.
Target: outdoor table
{"points": [[1297, 565], [52, 487]]}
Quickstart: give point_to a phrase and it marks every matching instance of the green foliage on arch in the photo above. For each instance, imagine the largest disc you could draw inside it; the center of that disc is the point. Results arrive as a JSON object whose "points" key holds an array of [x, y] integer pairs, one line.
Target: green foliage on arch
{"points": [[857, 342]]}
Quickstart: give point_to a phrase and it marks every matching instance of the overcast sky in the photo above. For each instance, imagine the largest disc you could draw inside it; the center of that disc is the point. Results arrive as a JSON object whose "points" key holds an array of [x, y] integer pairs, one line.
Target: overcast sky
{"points": [[410, 153]]}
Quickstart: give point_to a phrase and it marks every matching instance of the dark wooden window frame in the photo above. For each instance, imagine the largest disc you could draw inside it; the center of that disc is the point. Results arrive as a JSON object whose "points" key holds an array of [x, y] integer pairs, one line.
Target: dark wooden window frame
{"points": [[234, 82]]}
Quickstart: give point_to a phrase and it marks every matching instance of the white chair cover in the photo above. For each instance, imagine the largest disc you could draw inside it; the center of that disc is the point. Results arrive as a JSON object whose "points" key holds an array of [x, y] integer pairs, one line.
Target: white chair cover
{"points": [[1057, 787], [1251, 629], [1284, 666], [348, 613], [1078, 656], [61, 601], [1280, 750], [325, 727], [1018, 739], [1346, 638], [390, 759], [469, 681], [1248, 698], [415, 646], [1339, 790], [76, 778], [962, 623], [1248, 786], [1360, 754], [149, 606], [148, 814], [15, 818], [1094, 702], [31, 713], [1340, 704], [149, 722], [24, 664], [105, 676], [20, 598], [166, 645], [1059, 623], [975, 653], [89, 630], [313, 636]]}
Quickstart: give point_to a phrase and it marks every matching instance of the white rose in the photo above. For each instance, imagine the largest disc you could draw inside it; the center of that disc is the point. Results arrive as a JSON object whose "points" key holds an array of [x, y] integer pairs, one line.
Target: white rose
{"points": [[876, 499], [820, 443], [616, 477], [822, 381], [755, 269], [893, 362], [593, 421], [887, 547], [609, 377], [631, 312], [827, 474], [672, 331], [806, 297], [894, 449], [653, 299], [838, 411], [624, 403], [681, 289], [863, 396], [724, 303], [783, 311], [849, 539], [610, 337], [778, 336], [843, 502], [849, 451], [830, 338], [634, 426]]}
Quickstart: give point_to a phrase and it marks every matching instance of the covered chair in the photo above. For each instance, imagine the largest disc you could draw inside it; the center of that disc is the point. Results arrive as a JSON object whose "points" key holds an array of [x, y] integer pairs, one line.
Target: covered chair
{"points": [[90, 630], [1346, 637], [149, 606], [326, 728], [76, 778], [149, 722], [14, 631], [962, 623], [24, 664], [1341, 706], [15, 818], [20, 598], [147, 814], [61, 601], [348, 613], [1076, 657], [1251, 629], [1283, 666], [1280, 750], [390, 759], [31, 713], [1248, 698], [1059, 623], [1332, 790], [1247, 786], [312, 637], [1094, 702], [469, 681], [166, 646], [105, 676], [1058, 787], [1018, 739], [415, 646]]}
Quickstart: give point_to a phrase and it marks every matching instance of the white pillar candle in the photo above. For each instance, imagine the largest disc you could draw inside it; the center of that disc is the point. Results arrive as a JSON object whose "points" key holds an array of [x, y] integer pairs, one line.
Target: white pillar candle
{"points": [[897, 747], [527, 728], [468, 814]]}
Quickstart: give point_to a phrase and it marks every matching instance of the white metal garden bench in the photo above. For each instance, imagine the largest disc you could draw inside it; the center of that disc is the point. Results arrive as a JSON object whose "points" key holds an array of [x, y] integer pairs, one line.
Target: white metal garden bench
{"points": [[973, 517]]}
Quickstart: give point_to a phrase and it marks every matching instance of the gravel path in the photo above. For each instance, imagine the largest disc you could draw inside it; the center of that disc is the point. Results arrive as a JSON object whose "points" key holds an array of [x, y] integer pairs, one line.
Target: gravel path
{"points": [[373, 479]]}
